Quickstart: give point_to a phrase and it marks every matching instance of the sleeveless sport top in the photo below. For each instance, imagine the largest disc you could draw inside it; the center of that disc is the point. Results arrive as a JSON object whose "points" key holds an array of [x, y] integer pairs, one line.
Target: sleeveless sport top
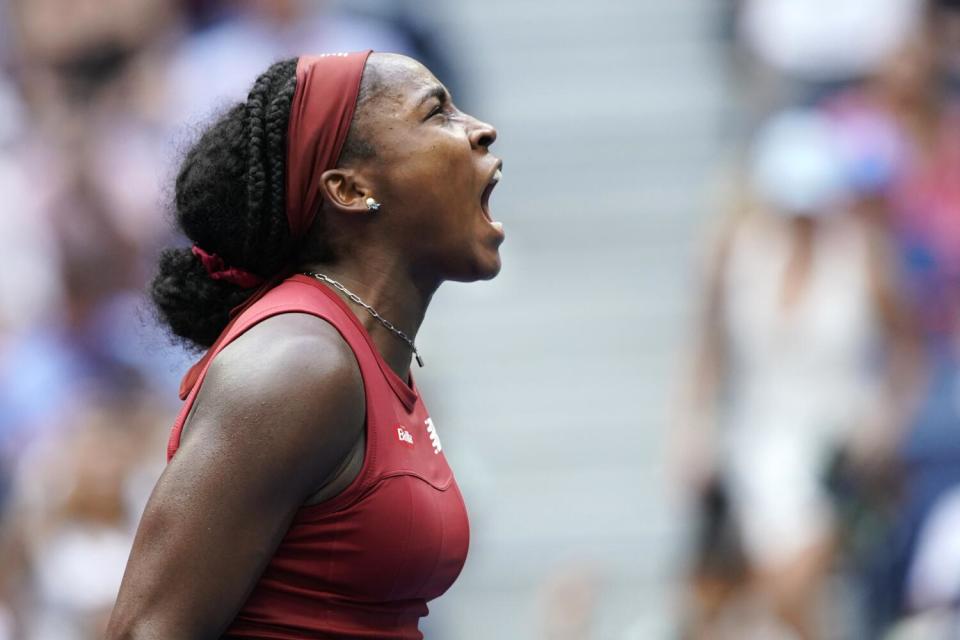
{"points": [[364, 563]]}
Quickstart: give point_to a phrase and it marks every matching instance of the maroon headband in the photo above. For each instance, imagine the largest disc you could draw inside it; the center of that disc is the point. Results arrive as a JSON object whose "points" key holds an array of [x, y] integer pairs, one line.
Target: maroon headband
{"points": [[320, 116]]}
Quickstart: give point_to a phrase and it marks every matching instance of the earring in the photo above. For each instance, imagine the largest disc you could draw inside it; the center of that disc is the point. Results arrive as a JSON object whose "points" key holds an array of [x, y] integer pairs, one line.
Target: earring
{"points": [[372, 204]]}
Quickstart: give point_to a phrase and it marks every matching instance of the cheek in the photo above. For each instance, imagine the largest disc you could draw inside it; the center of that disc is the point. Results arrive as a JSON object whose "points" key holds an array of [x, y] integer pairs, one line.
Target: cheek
{"points": [[435, 182]]}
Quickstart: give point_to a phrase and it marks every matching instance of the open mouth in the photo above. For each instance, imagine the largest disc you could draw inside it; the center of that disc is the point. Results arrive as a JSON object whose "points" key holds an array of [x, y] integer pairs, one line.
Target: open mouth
{"points": [[485, 196]]}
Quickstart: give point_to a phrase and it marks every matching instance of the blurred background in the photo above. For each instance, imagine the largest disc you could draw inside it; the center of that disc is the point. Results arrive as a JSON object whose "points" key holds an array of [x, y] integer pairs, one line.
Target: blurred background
{"points": [[715, 392]]}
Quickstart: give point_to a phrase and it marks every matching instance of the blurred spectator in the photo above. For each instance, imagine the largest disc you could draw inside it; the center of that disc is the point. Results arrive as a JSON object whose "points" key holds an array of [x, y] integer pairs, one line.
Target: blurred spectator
{"points": [[803, 344], [78, 495], [913, 92], [219, 63], [826, 40], [790, 52]]}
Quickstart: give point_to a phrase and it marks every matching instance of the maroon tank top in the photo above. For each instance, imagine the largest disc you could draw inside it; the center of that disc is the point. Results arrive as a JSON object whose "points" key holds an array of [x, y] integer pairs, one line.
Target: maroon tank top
{"points": [[365, 563]]}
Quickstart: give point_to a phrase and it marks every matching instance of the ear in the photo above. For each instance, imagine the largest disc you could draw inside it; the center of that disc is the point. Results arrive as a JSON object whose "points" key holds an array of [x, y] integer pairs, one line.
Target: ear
{"points": [[345, 190]]}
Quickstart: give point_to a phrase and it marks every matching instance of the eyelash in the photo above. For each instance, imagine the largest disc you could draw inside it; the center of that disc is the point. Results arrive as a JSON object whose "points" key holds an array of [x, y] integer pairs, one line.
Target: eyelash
{"points": [[436, 110]]}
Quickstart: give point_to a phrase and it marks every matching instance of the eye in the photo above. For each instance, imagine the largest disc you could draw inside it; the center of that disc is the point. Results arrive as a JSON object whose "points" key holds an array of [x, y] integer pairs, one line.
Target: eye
{"points": [[437, 110]]}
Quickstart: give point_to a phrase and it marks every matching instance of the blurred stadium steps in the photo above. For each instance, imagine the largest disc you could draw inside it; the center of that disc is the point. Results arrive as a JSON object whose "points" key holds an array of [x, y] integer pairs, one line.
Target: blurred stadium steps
{"points": [[551, 384]]}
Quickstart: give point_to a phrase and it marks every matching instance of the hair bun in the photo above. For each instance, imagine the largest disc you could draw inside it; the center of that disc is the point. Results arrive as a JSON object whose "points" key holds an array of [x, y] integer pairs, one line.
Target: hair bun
{"points": [[195, 306]]}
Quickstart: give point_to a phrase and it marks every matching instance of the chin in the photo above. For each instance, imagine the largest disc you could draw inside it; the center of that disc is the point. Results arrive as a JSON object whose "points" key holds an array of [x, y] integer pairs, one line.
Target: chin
{"points": [[491, 273], [485, 268]]}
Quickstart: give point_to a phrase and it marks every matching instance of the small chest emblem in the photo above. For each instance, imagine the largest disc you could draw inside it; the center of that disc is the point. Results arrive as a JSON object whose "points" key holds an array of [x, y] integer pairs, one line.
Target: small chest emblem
{"points": [[404, 435], [434, 438]]}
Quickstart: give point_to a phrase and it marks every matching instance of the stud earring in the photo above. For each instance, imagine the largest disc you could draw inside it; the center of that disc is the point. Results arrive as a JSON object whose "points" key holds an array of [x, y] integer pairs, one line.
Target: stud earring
{"points": [[372, 204]]}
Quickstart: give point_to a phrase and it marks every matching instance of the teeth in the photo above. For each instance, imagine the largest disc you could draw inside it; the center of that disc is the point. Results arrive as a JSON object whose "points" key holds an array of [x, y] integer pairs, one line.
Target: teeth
{"points": [[496, 177], [498, 225]]}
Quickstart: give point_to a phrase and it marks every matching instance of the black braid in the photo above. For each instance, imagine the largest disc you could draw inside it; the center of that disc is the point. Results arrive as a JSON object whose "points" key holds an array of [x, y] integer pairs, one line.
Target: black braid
{"points": [[256, 172], [230, 200], [278, 114]]}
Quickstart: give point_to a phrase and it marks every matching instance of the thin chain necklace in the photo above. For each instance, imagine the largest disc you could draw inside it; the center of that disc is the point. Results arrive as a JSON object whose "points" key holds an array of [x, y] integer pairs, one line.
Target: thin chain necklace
{"points": [[373, 312]]}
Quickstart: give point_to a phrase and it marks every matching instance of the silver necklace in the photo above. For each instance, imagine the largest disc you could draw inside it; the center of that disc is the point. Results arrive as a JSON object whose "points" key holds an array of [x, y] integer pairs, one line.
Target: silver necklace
{"points": [[373, 312]]}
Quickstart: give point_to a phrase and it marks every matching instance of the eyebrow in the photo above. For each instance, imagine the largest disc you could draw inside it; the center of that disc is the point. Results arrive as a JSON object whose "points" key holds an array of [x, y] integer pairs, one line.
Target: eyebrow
{"points": [[435, 91]]}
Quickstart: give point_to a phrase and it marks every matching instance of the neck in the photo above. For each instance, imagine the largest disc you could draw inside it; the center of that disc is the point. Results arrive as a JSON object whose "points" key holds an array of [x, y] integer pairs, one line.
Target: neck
{"points": [[387, 286]]}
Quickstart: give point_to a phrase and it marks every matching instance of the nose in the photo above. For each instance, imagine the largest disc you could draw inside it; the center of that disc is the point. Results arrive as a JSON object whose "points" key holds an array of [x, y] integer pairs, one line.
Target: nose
{"points": [[482, 134]]}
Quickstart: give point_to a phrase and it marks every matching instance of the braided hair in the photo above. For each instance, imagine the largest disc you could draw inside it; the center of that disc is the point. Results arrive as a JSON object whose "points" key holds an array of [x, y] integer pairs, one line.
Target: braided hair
{"points": [[230, 199]]}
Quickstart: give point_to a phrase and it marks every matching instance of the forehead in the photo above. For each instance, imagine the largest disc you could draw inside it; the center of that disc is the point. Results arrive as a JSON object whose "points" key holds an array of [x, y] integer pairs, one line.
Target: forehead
{"points": [[402, 80]]}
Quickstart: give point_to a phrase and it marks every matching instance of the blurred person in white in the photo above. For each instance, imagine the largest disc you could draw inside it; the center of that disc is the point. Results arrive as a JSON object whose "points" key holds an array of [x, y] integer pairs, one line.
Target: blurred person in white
{"points": [[798, 339]]}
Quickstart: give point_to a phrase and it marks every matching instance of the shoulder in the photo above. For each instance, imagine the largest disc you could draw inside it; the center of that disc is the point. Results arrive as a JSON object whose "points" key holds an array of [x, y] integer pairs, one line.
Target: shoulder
{"points": [[289, 389], [286, 353]]}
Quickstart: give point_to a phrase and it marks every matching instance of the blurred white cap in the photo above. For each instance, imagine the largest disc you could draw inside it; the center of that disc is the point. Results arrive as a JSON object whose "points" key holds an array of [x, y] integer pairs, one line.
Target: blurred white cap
{"points": [[797, 166]]}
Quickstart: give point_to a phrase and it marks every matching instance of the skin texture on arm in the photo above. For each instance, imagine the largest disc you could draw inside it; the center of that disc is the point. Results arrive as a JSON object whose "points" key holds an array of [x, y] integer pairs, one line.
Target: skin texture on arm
{"points": [[279, 411]]}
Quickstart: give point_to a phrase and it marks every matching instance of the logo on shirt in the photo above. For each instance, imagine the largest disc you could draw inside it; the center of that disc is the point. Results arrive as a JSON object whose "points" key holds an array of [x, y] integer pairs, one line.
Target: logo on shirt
{"points": [[434, 438], [404, 435]]}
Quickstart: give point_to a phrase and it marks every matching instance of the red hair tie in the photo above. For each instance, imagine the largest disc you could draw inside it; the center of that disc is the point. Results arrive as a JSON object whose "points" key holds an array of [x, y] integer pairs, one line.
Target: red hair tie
{"points": [[218, 270]]}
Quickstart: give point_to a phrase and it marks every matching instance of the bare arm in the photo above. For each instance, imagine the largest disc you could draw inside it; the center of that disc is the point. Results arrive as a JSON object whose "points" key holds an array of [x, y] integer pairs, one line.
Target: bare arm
{"points": [[279, 410]]}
